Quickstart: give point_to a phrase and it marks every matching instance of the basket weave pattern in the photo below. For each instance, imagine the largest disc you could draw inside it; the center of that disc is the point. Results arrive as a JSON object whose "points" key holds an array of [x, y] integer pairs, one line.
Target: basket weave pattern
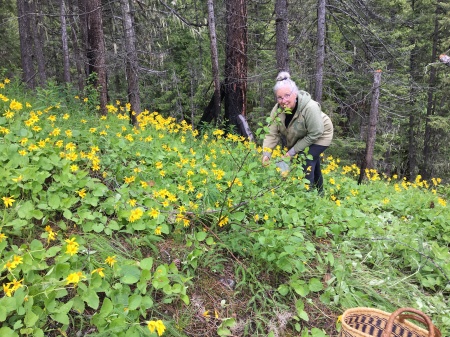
{"points": [[369, 322]]}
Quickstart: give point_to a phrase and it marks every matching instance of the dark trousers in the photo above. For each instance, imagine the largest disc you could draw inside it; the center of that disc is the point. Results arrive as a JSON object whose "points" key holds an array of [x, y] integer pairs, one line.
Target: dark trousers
{"points": [[312, 167]]}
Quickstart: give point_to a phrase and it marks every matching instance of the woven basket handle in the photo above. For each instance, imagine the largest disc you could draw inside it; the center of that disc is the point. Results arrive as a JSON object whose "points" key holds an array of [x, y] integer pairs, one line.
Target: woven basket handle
{"points": [[402, 318], [418, 316]]}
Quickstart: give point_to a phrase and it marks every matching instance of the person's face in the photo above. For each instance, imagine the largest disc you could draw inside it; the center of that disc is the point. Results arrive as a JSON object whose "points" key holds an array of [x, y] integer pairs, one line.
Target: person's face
{"points": [[286, 97]]}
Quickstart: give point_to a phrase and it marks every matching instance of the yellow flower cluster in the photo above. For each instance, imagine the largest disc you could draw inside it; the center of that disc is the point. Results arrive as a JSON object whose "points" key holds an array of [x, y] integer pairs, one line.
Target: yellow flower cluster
{"points": [[10, 287], [12, 264], [74, 278], [72, 246], [51, 234], [8, 201], [156, 325], [135, 214]]}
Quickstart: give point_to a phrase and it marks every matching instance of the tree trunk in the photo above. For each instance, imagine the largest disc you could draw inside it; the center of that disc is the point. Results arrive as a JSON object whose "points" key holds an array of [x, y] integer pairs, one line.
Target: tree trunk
{"points": [[427, 143], [25, 43], [65, 45], [96, 52], [78, 54], [281, 31], [214, 60], [132, 65], [371, 134], [320, 58], [37, 43], [236, 63]]}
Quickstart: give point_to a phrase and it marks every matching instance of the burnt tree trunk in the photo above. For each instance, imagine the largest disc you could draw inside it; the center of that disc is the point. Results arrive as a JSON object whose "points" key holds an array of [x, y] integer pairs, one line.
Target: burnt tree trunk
{"points": [[372, 130], [214, 60], [25, 42], [281, 31], [320, 55], [96, 52], [236, 64], [132, 65], [65, 44], [427, 143]]}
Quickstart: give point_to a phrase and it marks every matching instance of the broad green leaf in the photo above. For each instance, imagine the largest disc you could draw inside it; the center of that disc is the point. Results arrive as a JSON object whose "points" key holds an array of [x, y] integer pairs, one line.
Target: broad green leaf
{"points": [[107, 307], [283, 289], [61, 318], [130, 274], [315, 285], [200, 236], [147, 263], [134, 302], [30, 318]]}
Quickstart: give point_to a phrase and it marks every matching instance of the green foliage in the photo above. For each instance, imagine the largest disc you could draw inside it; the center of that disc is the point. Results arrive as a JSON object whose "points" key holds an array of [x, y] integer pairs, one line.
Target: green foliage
{"points": [[109, 227]]}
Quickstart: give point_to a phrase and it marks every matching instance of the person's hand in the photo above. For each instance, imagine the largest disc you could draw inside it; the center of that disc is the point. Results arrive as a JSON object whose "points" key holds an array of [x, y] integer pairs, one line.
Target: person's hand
{"points": [[287, 155], [265, 160]]}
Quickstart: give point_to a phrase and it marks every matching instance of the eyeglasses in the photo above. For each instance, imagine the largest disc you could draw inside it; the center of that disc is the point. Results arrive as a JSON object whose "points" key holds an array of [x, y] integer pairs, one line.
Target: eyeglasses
{"points": [[285, 97]]}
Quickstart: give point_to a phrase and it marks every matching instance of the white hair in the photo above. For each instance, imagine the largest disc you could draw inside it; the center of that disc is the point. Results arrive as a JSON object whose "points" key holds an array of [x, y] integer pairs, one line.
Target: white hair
{"points": [[284, 80]]}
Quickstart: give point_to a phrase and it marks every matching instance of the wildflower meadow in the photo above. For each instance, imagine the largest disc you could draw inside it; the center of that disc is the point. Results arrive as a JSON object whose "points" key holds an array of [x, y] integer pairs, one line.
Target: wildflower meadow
{"points": [[109, 229]]}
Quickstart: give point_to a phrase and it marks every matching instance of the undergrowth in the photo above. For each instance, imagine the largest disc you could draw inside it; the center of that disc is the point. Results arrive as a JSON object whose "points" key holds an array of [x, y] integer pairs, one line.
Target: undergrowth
{"points": [[112, 230]]}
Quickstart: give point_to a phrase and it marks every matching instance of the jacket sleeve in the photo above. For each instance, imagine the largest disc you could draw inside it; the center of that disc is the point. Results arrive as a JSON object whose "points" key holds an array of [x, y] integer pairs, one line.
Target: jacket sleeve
{"points": [[273, 137], [314, 128]]}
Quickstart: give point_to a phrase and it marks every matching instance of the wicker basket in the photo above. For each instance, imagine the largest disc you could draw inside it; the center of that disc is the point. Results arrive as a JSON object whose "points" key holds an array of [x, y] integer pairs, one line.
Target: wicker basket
{"points": [[369, 322]]}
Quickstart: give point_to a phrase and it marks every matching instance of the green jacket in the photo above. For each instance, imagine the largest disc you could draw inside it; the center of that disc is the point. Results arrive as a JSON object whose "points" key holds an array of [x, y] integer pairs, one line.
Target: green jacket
{"points": [[308, 126]]}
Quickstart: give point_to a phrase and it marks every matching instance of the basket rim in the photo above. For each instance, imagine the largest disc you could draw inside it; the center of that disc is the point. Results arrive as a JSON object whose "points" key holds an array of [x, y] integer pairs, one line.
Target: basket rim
{"points": [[368, 310]]}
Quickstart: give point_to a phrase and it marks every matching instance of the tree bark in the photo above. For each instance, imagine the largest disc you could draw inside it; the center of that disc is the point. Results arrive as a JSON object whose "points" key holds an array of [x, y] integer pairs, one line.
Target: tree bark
{"points": [[427, 143], [37, 43], [214, 59], [371, 134], [320, 58], [132, 65], [281, 31], [236, 63], [65, 44], [96, 52], [25, 43]]}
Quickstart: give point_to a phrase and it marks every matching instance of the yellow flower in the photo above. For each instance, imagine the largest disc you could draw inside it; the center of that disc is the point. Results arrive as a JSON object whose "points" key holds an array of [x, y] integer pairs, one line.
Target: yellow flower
{"points": [[81, 193], [206, 314], [223, 221], [2, 237], [442, 202], [74, 168], [14, 105], [154, 213], [111, 260], [129, 179], [158, 230], [136, 214], [9, 114], [99, 271], [158, 325], [8, 201], [19, 178], [74, 278], [72, 246]]}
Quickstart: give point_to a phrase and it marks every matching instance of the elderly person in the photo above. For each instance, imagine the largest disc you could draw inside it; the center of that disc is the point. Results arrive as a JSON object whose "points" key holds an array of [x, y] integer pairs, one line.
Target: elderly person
{"points": [[302, 125]]}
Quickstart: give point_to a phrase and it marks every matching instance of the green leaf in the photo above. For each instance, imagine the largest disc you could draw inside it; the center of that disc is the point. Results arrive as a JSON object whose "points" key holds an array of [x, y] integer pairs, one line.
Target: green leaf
{"points": [[54, 200], [283, 289], [134, 302], [3, 313], [130, 274], [107, 307], [7, 332], [146, 263], [30, 319], [200, 236], [61, 318], [315, 285], [91, 298], [65, 308]]}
